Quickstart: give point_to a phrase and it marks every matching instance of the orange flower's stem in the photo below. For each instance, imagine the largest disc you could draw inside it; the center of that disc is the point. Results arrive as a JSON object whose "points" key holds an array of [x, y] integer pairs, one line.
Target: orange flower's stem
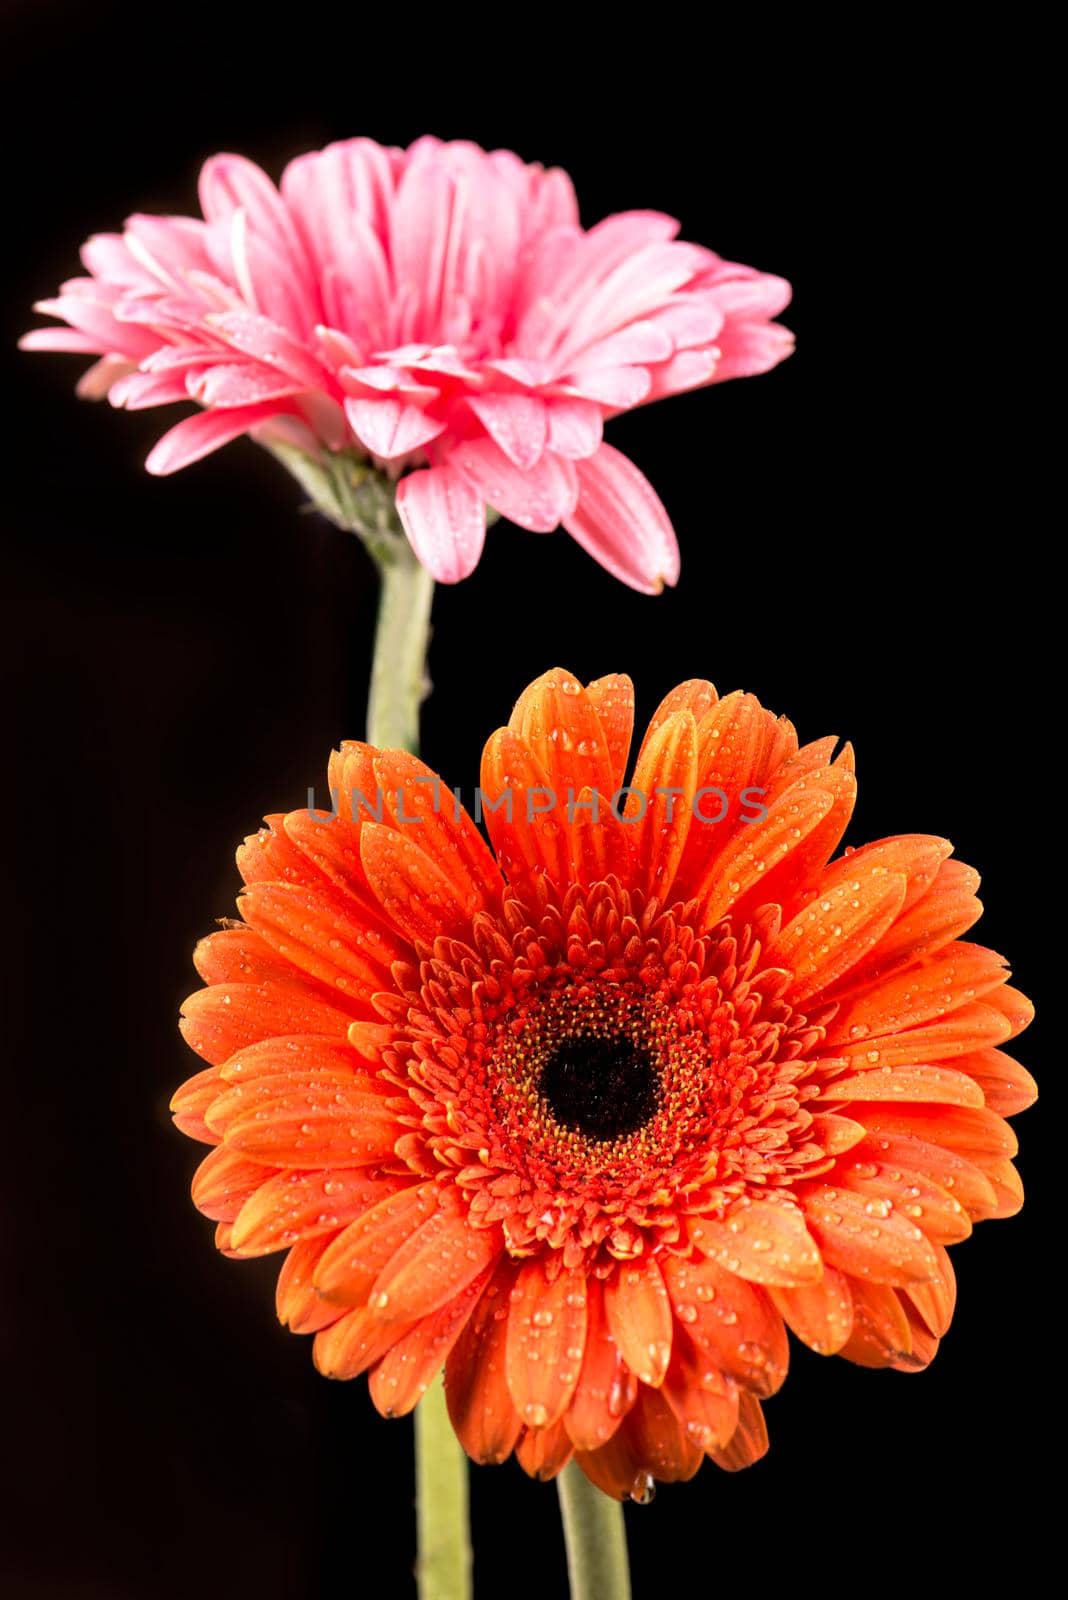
{"points": [[596, 1541], [444, 1565]]}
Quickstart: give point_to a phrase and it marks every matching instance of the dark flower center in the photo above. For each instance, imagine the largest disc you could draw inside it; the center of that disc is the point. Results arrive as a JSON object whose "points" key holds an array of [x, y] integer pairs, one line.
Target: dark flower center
{"points": [[603, 1088]]}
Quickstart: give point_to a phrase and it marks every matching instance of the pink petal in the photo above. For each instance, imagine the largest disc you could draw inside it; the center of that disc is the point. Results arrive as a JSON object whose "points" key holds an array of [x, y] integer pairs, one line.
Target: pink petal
{"points": [[243, 384], [445, 520], [749, 348], [137, 391], [258, 336], [536, 497], [620, 388], [690, 321], [96, 319], [636, 345], [393, 381], [745, 293], [64, 339], [96, 382], [390, 429], [575, 428], [198, 436], [517, 422], [619, 520], [687, 370]]}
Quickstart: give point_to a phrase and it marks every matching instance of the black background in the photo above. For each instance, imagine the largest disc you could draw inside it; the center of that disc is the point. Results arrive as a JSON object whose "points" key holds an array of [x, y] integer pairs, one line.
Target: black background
{"points": [[858, 548]]}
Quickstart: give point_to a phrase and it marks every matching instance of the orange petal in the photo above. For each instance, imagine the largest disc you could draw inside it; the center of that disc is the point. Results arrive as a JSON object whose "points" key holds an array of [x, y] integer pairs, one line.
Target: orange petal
{"points": [[351, 772], [218, 1021], [444, 830], [408, 1368], [612, 698], [269, 855], [975, 1133], [476, 1388], [243, 1099], [668, 762], [433, 1265], [946, 910], [299, 1304], [190, 1103], [605, 1389], [560, 726], [1006, 1086], [935, 1301], [296, 1053], [531, 843], [969, 1028], [954, 976], [750, 1438], [734, 738], [788, 875], [696, 695], [639, 1318], [1015, 1007], [418, 897], [911, 1194], [237, 955], [302, 1205], [732, 1323], [546, 1342], [299, 1129], [320, 937], [332, 846], [664, 1445], [936, 1085], [738, 873], [761, 1241], [543, 1452], [704, 1402], [616, 1468], [1008, 1187], [835, 931], [597, 840], [223, 1183], [881, 1334], [353, 1343], [821, 1314], [358, 1254], [866, 1238], [959, 1178]]}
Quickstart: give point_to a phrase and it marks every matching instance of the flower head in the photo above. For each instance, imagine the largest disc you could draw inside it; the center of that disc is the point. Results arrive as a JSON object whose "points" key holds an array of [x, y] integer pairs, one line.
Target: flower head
{"points": [[593, 1117], [437, 311]]}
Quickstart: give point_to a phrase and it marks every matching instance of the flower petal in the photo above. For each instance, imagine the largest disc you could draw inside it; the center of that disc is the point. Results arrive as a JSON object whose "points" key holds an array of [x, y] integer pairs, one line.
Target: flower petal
{"points": [[476, 1389], [763, 1242], [546, 1342], [445, 520], [198, 436], [620, 522], [639, 1318], [433, 1265]]}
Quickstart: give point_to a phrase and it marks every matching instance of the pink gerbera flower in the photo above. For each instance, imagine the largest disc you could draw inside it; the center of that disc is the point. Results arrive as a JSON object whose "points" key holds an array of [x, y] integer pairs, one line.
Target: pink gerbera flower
{"points": [[438, 312]]}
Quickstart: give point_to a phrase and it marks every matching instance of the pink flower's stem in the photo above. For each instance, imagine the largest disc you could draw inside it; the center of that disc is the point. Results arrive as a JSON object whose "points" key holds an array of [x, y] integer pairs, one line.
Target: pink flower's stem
{"points": [[399, 681], [444, 1565]]}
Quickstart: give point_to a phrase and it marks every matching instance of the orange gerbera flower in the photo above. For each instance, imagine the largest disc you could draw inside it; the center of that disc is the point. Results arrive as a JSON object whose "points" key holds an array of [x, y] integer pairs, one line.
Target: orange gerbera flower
{"points": [[593, 1120]]}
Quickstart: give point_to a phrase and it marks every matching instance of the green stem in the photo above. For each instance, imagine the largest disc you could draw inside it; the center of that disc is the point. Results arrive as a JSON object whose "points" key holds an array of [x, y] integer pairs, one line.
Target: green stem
{"points": [[355, 496], [595, 1539], [444, 1565], [399, 681]]}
